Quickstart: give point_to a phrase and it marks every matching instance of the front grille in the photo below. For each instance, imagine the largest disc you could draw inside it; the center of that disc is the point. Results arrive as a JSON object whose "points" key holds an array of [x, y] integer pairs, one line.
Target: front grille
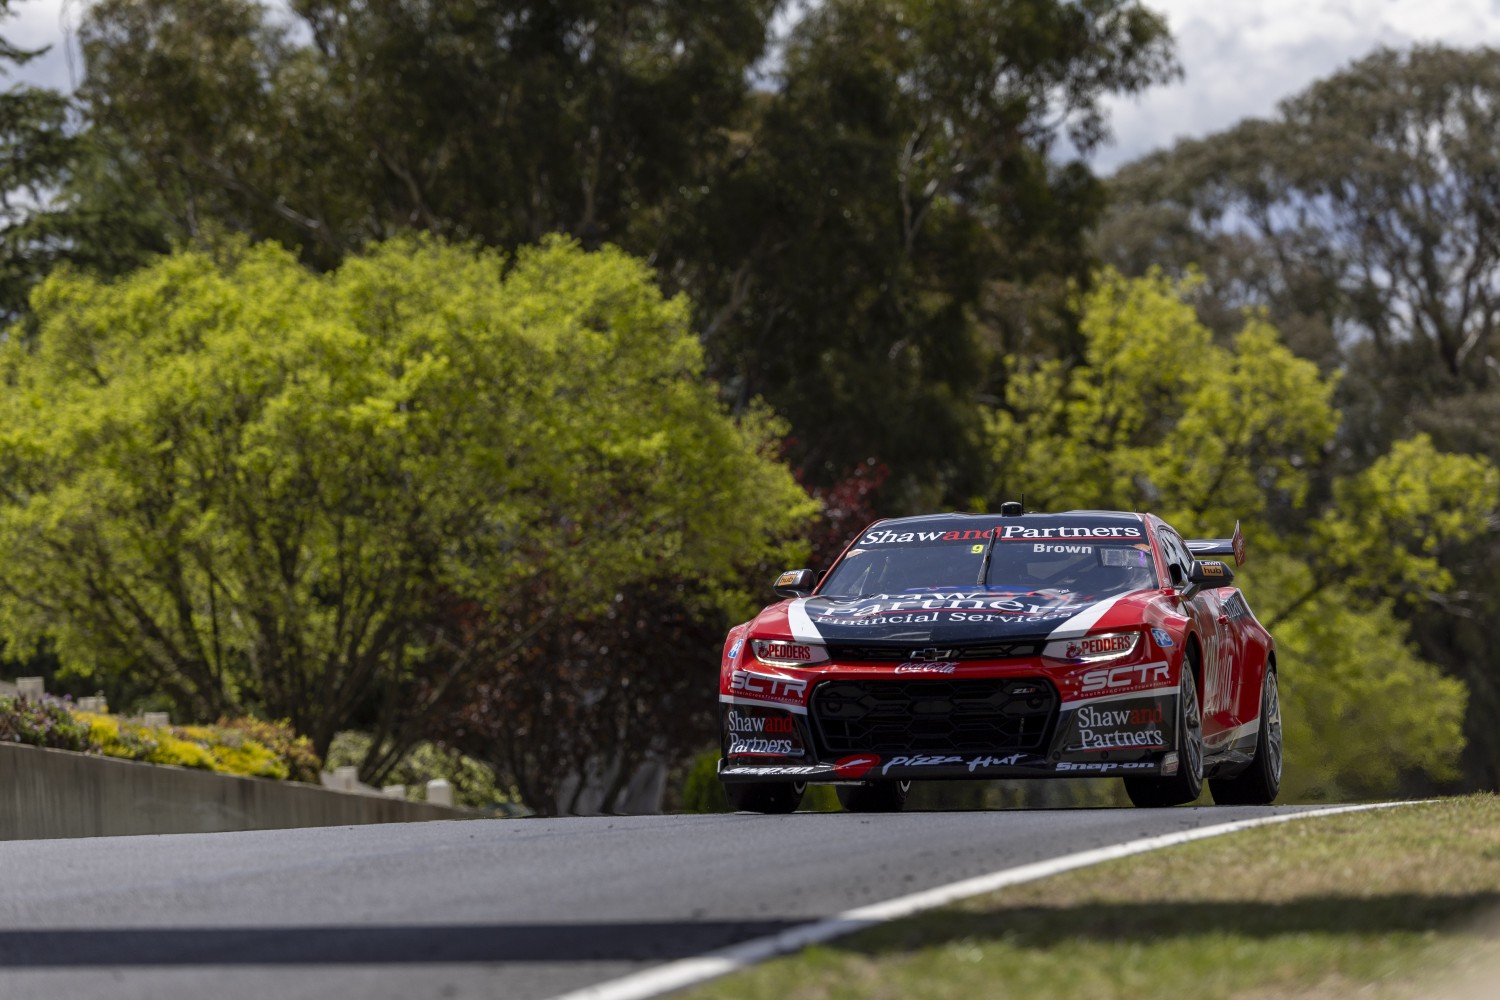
{"points": [[933, 716], [898, 653]]}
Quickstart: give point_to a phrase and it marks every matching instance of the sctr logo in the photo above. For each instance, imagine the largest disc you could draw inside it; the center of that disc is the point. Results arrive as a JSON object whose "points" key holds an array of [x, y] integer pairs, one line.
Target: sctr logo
{"points": [[1118, 677], [776, 687]]}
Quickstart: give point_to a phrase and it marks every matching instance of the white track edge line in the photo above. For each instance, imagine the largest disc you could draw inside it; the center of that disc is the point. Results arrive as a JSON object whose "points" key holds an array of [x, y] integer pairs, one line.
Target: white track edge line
{"points": [[711, 965]]}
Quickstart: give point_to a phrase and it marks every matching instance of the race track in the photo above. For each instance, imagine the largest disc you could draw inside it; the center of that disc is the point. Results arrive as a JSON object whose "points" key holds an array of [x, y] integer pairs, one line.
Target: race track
{"points": [[516, 909]]}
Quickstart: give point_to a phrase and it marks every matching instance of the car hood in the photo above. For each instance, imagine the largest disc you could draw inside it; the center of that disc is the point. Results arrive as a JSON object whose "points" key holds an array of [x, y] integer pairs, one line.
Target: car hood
{"points": [[951, 617]]}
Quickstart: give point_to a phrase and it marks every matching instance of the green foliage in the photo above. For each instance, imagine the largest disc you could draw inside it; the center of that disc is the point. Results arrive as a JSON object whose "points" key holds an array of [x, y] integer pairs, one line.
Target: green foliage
{"points": [[1162, 417], [588, 118], [898, 218], [255, 487], [294, 752], [44, 723], [882, 208], [474, 783], [231, 747], [1363, 216], [1360, 706], [702, 792]]}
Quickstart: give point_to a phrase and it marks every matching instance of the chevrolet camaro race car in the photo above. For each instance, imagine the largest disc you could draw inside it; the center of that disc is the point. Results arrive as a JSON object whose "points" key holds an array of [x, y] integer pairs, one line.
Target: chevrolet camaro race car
{"points": [[980, 646]]}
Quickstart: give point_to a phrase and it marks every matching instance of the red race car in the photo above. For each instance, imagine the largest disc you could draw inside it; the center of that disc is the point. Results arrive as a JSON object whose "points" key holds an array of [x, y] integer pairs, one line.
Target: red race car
{"points": [[1017, 645]]}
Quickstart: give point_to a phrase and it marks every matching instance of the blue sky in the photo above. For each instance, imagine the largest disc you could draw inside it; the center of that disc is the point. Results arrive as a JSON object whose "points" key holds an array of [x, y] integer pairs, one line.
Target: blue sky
{"points": [[1240, 56]]}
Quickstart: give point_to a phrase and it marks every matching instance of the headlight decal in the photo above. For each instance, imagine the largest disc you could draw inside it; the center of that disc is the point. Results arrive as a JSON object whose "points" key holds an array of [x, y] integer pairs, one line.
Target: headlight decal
{"points": [[1093, 648], [788, 653]]}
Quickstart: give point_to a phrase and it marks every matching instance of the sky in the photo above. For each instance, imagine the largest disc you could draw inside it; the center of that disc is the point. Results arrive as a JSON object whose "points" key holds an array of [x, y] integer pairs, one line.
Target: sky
{"points": [[1239, 56]]}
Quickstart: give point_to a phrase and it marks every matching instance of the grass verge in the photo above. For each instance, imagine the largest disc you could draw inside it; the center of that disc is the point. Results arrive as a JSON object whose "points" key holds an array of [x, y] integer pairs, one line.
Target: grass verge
{"points": [[1390, 903]]}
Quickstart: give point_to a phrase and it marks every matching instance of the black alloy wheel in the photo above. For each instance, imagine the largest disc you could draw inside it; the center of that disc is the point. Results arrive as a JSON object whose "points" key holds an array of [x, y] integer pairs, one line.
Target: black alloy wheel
{"points": [[874, 796], [1187, 784], [1258, 784], [765, 796]]}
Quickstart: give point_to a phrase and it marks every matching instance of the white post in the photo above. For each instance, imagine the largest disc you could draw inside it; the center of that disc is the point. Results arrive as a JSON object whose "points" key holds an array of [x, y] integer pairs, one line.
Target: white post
{"points": [[30, 687], [439, 792], [156, 720], [394, 791], [346, 778]]}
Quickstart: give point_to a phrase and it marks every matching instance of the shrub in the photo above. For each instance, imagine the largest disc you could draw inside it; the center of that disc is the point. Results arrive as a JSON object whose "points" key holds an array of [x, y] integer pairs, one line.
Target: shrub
{"points": [[180, 753], [229, 748], [295, 753], [113, 738], [43, 723], [701, 790], [474, 783]]}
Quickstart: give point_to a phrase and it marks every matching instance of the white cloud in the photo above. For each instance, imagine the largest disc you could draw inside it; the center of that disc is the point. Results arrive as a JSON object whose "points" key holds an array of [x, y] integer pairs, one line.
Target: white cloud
{"points": [[35, 24], [1241, 57]]}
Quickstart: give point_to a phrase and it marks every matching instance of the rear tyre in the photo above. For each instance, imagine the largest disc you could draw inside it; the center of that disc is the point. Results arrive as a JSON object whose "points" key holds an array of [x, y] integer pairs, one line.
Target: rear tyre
{"points": [[765, 796], [1187, 784], [874, 796], [1258, 784]]}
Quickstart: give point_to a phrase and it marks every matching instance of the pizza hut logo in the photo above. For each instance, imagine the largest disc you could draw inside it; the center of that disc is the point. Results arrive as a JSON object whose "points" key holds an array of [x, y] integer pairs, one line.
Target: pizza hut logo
{"points": [[855, 767]]}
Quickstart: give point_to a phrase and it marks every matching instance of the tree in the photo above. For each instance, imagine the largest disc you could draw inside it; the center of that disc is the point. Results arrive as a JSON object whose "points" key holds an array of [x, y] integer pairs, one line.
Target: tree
{"points": [[1365, 218], [340, 497], [42, 221], [1159, 417], [895, 217], [499, 122], [886, 213]]}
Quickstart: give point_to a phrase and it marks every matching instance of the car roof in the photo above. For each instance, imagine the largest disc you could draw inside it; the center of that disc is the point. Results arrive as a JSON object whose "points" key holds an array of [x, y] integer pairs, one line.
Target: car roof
{"points": [[1091, 516]]}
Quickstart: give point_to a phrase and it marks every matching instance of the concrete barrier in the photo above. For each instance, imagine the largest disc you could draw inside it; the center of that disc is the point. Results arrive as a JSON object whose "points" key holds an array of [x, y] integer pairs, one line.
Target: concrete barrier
{"points": [[49, 794]]}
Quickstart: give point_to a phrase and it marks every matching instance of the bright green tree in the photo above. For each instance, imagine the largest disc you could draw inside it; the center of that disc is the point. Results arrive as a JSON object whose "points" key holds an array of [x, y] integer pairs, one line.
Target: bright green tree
{"points": [[261, 489], [1161, 417]]}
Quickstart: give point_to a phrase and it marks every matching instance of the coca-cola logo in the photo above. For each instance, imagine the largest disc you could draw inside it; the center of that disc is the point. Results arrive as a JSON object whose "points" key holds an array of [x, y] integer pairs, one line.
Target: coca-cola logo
{"points": [[926, 668]]}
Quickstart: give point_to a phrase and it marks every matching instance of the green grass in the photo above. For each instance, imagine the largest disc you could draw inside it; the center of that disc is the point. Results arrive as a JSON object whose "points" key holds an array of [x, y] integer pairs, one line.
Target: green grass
{"points": [[1376, 904]]}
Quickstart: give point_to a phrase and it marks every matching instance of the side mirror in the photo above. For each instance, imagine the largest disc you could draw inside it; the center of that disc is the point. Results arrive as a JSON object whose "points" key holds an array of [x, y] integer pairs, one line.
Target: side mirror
{"points": [[1211, 573], [795, 583]]}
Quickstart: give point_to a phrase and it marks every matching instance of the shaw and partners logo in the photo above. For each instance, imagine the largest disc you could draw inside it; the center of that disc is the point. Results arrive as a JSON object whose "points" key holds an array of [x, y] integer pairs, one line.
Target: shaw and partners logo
{"points": [[1008, 532]]}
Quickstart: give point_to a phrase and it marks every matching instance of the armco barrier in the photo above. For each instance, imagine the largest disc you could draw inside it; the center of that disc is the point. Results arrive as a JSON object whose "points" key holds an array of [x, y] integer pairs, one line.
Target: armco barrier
{"points": [[47, 794]]}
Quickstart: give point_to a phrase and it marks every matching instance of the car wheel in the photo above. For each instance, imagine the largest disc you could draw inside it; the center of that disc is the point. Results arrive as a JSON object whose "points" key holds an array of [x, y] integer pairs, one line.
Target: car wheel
{"points": [[765, 796], [1258, 784], [874, 796], [1187, 784]]}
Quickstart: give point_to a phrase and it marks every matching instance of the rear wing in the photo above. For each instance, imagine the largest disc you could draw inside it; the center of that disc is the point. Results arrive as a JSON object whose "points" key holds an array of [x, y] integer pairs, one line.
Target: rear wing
{"points": [[1232, 546]]}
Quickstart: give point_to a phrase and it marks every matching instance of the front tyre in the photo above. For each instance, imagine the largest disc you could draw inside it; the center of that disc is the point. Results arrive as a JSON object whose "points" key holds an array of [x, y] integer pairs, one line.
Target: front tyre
{"points": [[874, 796], [1187, 784], [1258, 784], [765, 796]]}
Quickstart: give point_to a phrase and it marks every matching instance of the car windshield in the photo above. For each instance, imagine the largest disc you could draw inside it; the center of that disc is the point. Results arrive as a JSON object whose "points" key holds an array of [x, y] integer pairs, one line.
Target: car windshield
{"points": [[1082, 567]]}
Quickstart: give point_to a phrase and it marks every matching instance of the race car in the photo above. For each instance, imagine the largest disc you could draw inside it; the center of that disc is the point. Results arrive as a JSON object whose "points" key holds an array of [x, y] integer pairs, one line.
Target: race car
{"points": [[1010, 645]]}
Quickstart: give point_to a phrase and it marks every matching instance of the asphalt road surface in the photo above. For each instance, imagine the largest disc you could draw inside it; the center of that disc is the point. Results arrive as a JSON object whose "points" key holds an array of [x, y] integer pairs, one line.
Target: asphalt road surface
{"points": [[485, 908]]}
